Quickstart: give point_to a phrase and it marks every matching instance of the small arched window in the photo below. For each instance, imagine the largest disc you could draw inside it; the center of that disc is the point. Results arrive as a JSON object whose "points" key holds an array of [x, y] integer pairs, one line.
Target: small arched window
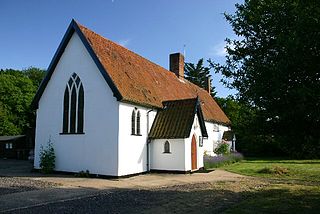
{"points": [[133, 122], [138, 123], [166, 147], [73, 106]]}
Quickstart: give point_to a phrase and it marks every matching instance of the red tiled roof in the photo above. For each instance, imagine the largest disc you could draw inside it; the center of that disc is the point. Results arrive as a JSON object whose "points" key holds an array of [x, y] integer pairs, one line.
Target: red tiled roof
{"points": [[143, 82]]}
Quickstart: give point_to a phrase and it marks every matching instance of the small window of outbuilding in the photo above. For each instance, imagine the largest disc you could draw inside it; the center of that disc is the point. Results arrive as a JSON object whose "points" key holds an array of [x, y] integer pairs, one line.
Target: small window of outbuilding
{"points": [[166, 147], [9, 146]]}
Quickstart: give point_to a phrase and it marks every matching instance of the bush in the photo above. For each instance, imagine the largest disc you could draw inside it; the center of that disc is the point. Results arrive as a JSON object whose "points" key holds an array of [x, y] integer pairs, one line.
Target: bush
{"points": [[221, 160], [83, 174], [47, 158], [222, 149]]}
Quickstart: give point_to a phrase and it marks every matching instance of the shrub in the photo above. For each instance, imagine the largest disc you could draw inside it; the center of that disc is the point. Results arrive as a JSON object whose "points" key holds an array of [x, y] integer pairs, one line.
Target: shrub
{"points": [[221, 160], [47, 158], [83, 174], [276, 170], [222, 149]]}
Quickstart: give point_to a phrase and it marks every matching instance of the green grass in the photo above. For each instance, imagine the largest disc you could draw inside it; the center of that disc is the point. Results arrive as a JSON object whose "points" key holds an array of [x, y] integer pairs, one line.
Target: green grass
{"points": [[300, 170], [295, 191], [281, 198]]}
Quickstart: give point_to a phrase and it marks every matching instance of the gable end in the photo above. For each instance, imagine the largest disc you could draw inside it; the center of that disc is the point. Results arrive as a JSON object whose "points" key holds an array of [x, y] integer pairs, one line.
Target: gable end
{"points": [[73, 27]]}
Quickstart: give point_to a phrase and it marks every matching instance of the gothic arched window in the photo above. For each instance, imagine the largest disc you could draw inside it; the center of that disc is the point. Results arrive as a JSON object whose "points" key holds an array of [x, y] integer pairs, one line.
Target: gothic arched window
{"points": [[133, 122], [166, 147], [138, 123], [73, 106]]}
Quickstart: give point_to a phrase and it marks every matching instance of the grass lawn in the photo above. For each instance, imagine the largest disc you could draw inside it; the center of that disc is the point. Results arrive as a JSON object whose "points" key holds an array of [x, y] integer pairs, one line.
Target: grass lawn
{"points": [[294, 191], [299, 170]]}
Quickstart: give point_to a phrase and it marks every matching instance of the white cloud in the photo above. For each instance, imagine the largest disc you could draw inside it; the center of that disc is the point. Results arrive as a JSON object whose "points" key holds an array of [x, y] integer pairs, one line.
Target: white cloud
{"points": [[124, 42], [218, 50]]}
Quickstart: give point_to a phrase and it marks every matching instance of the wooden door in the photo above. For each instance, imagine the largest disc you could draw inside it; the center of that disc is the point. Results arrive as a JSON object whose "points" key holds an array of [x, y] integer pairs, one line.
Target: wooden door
{"points": [[193, 153]]}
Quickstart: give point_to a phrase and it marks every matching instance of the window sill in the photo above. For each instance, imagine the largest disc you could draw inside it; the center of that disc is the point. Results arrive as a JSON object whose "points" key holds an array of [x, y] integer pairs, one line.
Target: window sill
{"points": [[136, 134], [166, 152], [82, 133]]}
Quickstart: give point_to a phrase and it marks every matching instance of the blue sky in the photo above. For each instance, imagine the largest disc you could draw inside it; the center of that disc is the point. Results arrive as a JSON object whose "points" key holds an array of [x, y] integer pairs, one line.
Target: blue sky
{"points": [[32, 30]]}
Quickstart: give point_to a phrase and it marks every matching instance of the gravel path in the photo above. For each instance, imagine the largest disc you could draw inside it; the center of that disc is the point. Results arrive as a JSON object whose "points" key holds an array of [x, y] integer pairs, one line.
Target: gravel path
{"points": [[202, 197], [24, 192], [9, 185]]}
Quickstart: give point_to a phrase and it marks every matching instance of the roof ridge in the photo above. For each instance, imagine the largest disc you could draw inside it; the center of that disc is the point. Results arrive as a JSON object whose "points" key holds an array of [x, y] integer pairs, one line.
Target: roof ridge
{"points": [[171, 73], [115, 43]]}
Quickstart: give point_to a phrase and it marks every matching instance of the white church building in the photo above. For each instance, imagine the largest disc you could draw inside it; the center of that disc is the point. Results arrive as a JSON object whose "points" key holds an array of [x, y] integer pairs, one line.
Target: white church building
{"points": [[114, 113]]}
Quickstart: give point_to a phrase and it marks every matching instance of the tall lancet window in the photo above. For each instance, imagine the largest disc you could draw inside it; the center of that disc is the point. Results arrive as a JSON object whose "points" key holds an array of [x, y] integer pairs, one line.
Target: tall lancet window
{"points": [[135, 122], [73, 105], [138, 123]]}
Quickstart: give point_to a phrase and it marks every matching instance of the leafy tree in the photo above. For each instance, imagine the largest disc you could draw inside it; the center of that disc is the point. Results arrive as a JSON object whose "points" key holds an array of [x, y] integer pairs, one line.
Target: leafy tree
{"points": [[7, 126], [16, 93], [274, 64], [35, 74], [198, 75], [252, 139]]}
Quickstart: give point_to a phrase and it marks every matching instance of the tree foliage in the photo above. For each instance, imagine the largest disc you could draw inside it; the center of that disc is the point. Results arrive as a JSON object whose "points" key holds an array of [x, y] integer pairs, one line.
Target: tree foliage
{"points": [[252, 140], [274, 64], [17, 90], [198, 74], [36, 75]]}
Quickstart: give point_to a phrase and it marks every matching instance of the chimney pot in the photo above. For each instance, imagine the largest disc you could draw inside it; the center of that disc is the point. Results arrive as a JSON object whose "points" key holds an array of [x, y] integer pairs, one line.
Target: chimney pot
{"points": [[177, 64]]}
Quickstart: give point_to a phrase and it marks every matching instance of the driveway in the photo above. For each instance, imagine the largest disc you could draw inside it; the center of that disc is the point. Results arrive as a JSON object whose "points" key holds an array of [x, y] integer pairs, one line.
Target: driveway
{"points": [[44, 190]]}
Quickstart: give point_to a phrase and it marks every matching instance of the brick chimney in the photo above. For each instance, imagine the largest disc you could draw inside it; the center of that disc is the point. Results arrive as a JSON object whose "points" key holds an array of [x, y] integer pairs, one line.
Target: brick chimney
{"points": [[208, 84], [177, 64]]}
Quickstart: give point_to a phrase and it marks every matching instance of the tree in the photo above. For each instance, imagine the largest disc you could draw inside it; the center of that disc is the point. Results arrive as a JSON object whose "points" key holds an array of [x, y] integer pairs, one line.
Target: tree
{"points": [[245, 123], [198, 75], [16, 93], [36, 75], [274, 64]]}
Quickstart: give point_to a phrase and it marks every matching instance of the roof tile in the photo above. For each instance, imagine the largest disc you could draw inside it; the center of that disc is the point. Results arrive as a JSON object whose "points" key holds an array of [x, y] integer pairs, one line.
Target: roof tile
{"points": [[176, 118], [144, 82]]}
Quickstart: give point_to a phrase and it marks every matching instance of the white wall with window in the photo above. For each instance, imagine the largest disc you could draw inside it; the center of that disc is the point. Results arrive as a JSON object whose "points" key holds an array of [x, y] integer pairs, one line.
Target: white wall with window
{"points": [[95, 147], [215, 133], [162, 160], [132, 140]]}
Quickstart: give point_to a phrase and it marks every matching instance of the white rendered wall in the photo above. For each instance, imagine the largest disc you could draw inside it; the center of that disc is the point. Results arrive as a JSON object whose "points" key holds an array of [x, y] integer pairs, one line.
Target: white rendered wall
{"points": [[196, 131], [97, 149], [132, 151], [214, 137], [175, 160]]}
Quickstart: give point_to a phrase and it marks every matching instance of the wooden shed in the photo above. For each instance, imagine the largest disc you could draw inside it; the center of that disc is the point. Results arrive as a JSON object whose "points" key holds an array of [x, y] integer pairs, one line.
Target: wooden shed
{"points": [[14, 147]]}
